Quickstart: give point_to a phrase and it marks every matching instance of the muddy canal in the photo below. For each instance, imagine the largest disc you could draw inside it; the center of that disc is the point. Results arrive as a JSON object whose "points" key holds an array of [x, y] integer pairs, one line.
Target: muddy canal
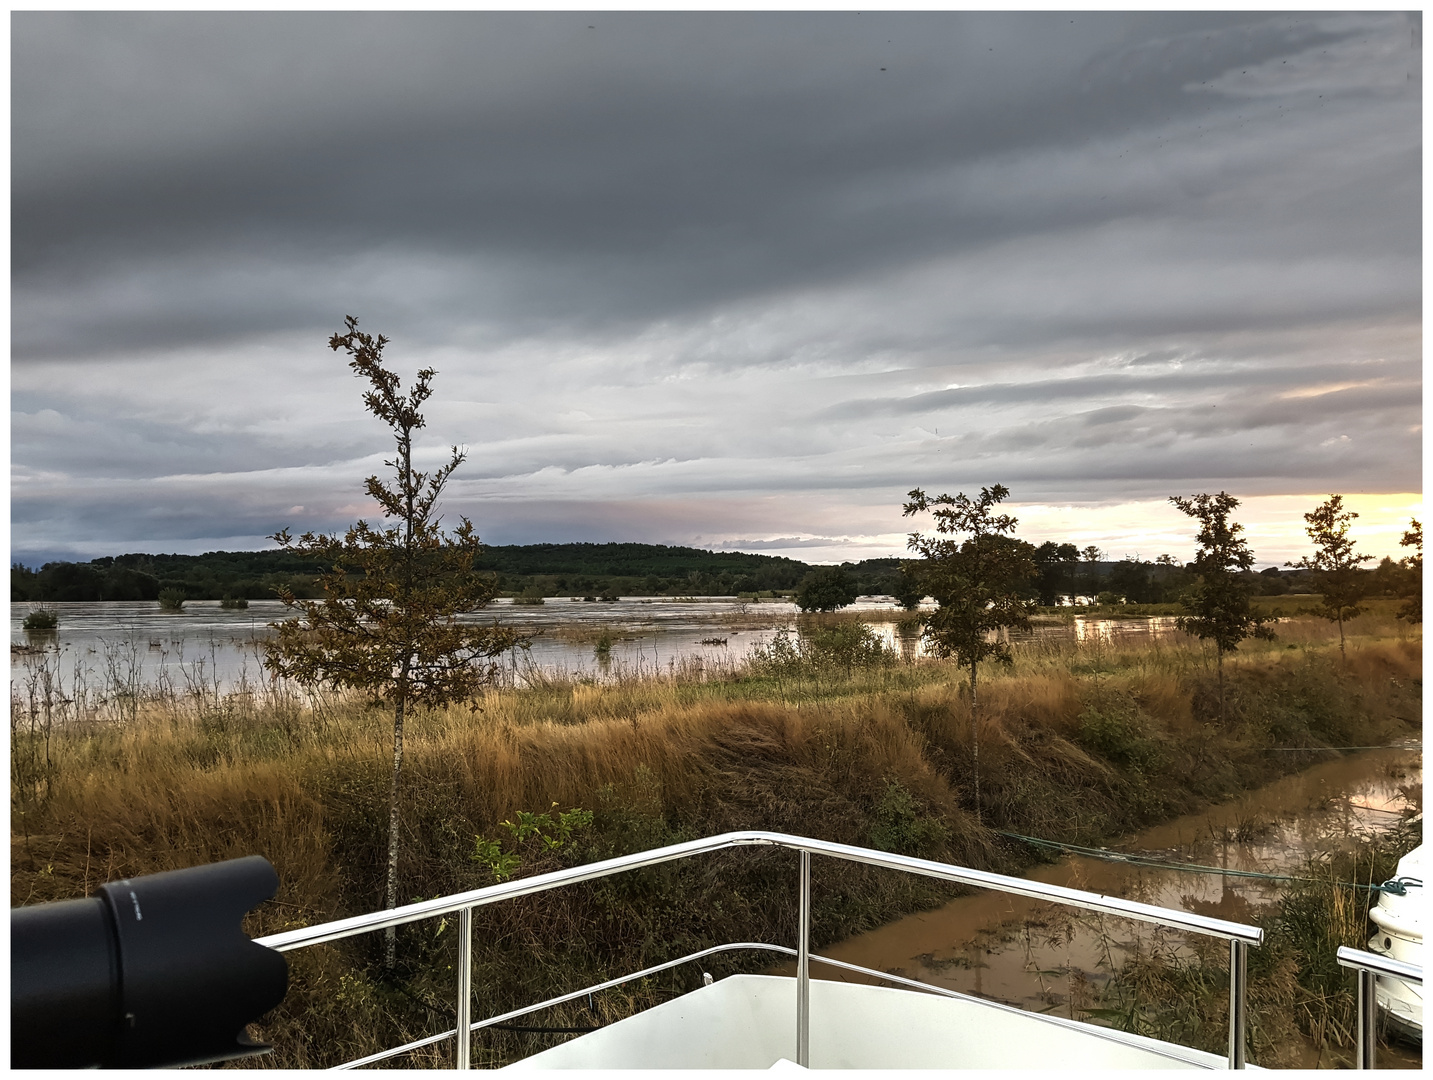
{"points": [[1043, 958]]}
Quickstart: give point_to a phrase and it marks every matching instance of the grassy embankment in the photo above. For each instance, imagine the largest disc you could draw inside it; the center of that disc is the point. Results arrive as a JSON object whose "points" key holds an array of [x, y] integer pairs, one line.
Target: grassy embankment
{"points": [[1078, 743]]}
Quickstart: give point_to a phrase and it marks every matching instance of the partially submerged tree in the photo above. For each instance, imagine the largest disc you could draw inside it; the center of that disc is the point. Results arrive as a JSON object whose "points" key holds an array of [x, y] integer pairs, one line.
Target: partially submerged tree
{"points": [[909, 590], [1336, 567], [980, 584], [388, 623], [1056, 564], [1412, 609], [1218, 601], [826, 588], [1091, 557]]}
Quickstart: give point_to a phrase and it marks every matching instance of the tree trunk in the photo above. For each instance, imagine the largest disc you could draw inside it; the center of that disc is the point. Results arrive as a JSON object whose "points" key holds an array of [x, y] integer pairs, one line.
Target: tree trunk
{"points": [[975, 739], [1219, 663], [1343, 655], [390, 943]]}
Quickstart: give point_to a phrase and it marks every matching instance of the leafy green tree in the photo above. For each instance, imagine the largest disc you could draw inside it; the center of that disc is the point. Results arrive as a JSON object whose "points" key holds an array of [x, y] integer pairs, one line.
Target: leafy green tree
{"points": [[825, 589], [1091, 557], [1336, 570], [979, 584], [389, 620], [1129, 578], [1218, 601], [1056, 564], [1412, 609], [909, 591]]}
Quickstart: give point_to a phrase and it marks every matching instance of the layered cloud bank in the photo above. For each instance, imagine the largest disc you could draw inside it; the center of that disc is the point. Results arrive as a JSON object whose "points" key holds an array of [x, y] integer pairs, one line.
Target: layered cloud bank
{"points": [[735, 280]]}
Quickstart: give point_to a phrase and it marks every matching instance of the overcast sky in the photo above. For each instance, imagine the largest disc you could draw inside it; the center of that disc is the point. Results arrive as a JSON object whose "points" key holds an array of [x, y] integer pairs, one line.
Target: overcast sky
{"points": [[730, 280]]}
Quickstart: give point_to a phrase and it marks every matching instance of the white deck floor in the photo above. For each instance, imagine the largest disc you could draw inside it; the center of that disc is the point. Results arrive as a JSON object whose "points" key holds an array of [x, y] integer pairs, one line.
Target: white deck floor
{"points": [[749, 1022]]}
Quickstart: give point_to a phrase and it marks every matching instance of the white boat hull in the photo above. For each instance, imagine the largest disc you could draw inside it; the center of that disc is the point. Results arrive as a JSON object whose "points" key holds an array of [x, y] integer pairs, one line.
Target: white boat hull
{"points": [[749, 1022], [1399, 923]]}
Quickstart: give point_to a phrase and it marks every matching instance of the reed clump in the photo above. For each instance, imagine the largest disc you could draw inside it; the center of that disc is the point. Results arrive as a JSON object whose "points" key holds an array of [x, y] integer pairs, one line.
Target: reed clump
{"points": [[1079, 742]]}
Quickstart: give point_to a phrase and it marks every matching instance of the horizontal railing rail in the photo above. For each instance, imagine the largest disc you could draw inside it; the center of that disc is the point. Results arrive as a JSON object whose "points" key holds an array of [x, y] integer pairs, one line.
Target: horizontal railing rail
{"points": [[1239, 935], [1368, 965], [508, 890]]}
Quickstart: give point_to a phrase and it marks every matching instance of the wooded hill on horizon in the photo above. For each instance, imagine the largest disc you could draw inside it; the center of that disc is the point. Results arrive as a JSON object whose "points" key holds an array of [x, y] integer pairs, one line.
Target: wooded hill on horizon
{"points": [[576, 569]]}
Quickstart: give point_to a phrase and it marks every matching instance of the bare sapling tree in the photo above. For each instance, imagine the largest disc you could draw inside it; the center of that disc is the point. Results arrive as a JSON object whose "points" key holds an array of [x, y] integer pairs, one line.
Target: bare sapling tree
{"points": [[981, 585], [1218, 602], [1335, 565], [389, 621]]}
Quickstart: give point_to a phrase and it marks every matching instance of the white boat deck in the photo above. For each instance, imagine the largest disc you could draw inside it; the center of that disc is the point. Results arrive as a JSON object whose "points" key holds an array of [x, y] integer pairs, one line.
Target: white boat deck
{"points": [[749, 1022]]}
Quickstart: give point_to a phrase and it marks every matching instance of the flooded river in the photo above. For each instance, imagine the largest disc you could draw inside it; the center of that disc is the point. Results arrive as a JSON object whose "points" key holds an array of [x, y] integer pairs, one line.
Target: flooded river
{"points": [[1044, 958], [134, 642]]}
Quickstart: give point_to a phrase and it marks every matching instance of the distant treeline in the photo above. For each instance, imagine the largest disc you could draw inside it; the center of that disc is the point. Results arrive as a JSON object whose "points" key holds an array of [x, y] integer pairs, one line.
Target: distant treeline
{"points": [[534, 569], [1065, 575], [618, 570]]}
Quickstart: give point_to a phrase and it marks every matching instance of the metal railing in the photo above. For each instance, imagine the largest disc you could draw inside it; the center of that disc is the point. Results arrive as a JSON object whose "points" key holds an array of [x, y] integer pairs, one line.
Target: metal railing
{"points": [[1369, 966], [1239, 936]]}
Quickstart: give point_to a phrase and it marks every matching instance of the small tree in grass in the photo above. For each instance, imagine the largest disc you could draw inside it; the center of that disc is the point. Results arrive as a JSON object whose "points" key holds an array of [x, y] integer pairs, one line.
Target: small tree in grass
{"points": [[979, 584], [1412, 609], [1218, 601], [1340, 582], [388, 623]]}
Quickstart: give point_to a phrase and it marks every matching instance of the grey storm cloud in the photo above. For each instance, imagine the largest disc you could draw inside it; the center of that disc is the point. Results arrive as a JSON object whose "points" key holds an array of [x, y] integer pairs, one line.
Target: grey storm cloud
{"points": [[692, 274]]}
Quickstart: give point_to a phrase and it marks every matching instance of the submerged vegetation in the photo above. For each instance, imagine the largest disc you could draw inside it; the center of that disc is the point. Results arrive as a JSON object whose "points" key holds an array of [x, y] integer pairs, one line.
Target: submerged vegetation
{"points": [[171, 599], [41, 618], [826, 734]]}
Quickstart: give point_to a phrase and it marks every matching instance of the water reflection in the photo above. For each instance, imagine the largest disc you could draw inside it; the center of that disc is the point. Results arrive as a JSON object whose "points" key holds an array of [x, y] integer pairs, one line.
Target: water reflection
{"points": [[1046, 958], [1110, 631]]}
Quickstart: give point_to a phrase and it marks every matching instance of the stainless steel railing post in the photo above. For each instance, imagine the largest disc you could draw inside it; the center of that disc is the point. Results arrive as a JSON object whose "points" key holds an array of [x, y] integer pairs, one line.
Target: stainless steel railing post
{"points": [[1368, 967], [1367, 1020], [803, 968], [463, 1053], [1238, 982]]}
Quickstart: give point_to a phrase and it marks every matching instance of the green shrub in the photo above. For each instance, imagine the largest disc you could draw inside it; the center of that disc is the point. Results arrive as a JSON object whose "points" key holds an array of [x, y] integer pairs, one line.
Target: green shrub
{"points": [[848, 645], [898, 826], [172, 599], [42, 619], [552, 831], [813, 650], [1114, 729], [233, 602]]}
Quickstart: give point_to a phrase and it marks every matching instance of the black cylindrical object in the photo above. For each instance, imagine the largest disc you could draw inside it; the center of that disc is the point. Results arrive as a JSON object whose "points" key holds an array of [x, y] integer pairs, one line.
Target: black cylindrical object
{"points": [[153, 971]]}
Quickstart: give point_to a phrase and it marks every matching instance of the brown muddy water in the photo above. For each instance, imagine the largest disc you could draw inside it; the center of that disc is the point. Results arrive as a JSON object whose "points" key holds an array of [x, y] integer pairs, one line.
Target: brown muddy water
{"points": [[1045, 958]]}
